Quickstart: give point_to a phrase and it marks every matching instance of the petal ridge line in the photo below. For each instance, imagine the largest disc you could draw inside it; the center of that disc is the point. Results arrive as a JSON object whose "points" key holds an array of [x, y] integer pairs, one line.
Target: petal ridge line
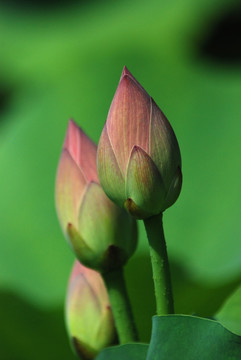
{"points": [[77, 165], [114, 152], [150, 125]]}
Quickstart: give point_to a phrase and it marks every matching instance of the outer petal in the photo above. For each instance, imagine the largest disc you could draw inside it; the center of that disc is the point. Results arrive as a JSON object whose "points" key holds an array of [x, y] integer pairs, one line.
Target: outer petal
{"points": [[83, 151], [88, 312], [164, 149], [144, 185], [128, 119], [174, 189], [81, 249], [70, 186], [106, 229], [110, 176]]}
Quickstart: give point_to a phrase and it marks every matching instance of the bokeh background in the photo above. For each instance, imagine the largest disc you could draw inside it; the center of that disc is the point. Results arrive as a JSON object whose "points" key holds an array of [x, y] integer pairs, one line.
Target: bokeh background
{"points": [[62, 59]]}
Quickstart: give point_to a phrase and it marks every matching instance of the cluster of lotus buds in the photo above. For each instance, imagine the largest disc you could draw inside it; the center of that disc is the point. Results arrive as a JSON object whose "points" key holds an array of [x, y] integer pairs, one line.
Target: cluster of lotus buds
{"points": [[139, 176]]}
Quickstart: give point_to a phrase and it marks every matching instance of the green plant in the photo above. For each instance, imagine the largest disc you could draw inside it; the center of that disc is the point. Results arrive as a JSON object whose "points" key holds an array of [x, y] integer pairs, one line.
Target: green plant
{"points": [[139, 168]]}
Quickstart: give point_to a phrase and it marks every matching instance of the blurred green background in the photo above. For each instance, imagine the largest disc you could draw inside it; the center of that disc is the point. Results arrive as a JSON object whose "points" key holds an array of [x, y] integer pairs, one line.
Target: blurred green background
{"points": [[64, 59]]}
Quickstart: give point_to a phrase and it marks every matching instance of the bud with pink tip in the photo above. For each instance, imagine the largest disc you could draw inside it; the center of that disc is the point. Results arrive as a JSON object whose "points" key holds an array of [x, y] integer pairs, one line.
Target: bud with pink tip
{"points": [[89, 317], [102, 235], [139, 161]]}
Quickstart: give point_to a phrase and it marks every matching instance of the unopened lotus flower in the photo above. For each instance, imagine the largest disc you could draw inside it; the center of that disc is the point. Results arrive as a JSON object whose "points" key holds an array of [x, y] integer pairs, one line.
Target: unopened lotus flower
{"points": [[102, 235], [89, 317], [139, 161]]}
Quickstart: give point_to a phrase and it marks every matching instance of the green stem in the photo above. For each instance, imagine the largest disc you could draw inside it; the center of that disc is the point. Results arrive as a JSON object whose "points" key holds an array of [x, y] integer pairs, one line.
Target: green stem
{"points": [[160, 266], [121, 307]]}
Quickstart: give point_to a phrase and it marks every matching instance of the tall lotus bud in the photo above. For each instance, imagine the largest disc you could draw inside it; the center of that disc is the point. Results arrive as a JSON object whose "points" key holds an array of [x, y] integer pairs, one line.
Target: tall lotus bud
{"points": [[88, 313], [139, 161], [102, 235]]}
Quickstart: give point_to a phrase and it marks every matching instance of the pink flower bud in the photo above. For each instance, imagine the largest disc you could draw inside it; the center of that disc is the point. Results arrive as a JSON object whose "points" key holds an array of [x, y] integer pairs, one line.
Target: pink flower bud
{"points": [[139, 161], [89, 317], [102, 235]]}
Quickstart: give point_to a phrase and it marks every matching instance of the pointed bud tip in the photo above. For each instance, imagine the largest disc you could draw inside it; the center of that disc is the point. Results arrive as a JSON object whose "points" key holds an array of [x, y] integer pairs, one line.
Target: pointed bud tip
{"points": [[71, 122], [138, 152], [136, 148], [127, 75], [125, 72], [133, 209], [76, 270], [83, 350], [127, 79], [69, 225], [70, 229], [73, 132], [74, 127]]}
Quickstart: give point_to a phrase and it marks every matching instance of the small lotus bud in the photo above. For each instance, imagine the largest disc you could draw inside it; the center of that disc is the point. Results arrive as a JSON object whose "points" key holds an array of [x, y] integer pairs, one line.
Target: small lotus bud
{"points": [[139, 161], [102, 235], [89, 317]]}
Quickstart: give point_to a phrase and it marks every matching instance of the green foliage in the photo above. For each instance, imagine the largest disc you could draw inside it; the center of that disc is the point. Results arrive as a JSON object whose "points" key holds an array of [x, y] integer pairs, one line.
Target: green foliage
{"points": [[127, 352], [188, 337], [65, 63], [230, 313], [28, 332], [181, 337]]}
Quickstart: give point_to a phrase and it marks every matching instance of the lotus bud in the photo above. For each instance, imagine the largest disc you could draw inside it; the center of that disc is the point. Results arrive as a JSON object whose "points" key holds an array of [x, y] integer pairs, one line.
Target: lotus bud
{"points": [[139, 161], [102, 235], [89, 317]]}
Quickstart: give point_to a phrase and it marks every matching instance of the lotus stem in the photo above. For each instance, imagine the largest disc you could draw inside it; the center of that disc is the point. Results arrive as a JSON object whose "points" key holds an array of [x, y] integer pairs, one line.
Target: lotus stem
{"points": [[160, 265], [121, 307]]}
